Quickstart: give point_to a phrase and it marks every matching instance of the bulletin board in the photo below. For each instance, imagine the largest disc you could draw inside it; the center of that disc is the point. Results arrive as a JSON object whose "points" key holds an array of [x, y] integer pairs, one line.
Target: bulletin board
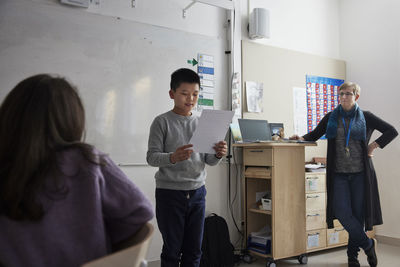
{"points": [[280, 70]]}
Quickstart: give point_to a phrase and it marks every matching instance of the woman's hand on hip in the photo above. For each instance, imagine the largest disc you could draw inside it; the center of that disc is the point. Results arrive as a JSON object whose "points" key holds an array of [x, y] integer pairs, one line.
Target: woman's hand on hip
{"points": [[371, 148]]}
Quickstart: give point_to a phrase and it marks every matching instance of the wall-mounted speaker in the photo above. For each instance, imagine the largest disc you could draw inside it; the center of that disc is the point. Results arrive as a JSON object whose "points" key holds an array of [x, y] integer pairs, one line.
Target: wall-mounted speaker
{"points": [[81, 3], [259, 23]]}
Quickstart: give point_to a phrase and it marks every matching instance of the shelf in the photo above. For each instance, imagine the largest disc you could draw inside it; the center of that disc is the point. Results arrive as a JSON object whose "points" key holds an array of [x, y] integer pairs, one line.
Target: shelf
{"points": [[258, 177], [260, 254], [261, 211], [258, 172]]}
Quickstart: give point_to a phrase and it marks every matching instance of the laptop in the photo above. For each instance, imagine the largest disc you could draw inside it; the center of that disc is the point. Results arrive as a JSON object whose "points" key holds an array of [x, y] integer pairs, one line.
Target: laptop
{"points": [[254, 130]]}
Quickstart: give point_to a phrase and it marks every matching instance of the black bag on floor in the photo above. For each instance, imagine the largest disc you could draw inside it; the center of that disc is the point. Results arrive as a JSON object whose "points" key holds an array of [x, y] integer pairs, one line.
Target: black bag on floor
{"points": [[217, 247]]}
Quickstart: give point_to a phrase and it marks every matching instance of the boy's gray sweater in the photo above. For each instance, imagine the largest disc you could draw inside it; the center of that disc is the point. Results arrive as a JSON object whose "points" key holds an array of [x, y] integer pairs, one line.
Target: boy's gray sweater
{"points": [[168, 132]]}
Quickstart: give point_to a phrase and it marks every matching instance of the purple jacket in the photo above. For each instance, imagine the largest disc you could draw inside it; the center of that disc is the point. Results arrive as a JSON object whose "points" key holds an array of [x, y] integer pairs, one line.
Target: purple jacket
{"points": [[101, 208]]}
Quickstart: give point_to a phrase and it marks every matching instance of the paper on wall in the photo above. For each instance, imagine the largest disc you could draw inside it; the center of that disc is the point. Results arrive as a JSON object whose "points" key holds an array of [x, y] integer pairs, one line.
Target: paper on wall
{"points": [[300, 111], [254, 96]]}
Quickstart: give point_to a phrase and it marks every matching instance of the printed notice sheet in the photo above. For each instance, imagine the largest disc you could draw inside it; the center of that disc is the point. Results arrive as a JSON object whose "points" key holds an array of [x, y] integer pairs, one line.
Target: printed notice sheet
{"points": [[313, 240], [300, 111], [254, 93], [334, 238], [211, 129]]}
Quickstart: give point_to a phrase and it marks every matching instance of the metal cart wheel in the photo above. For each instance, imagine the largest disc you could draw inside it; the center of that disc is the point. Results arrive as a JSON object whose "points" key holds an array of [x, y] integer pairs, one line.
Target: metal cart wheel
{"points": [[303, 259], [247, 258], [270, 262]]}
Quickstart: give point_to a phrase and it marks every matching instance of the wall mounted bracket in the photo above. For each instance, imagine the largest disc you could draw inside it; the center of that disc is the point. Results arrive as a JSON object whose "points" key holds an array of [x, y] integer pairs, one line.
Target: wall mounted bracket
{"points": [[225, 4]]}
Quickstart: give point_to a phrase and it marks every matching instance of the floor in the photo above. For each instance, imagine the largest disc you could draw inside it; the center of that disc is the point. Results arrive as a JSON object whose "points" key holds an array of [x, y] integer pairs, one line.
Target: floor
{"points": [[388, 256]]}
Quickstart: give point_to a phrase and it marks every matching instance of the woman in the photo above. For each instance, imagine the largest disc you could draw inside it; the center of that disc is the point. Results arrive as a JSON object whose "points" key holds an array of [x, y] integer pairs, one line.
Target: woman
{"points": [[352, 187], [62, 202]]}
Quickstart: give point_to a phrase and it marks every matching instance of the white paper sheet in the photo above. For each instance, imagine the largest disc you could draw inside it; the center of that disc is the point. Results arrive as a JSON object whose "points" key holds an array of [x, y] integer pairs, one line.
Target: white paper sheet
{"points": [[312, 184], [254, 93], [313, 241], [211, 129], [300, 111], [334, 238]]}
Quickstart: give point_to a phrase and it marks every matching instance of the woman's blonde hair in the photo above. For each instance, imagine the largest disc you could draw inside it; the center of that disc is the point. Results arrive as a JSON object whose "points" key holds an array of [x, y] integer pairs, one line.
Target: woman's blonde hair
{"points": [[355, 87]]}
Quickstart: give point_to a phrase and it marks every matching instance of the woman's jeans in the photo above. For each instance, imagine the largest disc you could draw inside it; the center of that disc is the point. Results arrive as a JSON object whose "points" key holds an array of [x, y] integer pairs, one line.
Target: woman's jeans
{"points": [[180, 218], [348, 204]]}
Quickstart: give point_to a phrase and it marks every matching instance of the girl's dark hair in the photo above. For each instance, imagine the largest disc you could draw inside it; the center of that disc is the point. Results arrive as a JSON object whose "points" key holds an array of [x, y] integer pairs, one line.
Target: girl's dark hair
{"points": [[41, 116], [183, 76]]}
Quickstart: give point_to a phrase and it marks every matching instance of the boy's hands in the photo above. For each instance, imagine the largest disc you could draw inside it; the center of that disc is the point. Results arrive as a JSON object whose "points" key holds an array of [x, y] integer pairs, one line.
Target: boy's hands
{"points": [[182, 153], [220, 149]]}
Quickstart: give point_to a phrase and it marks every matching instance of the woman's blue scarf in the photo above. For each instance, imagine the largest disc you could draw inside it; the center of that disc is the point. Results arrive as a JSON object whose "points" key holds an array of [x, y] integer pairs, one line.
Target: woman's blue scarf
{"points": [[358, 128]]}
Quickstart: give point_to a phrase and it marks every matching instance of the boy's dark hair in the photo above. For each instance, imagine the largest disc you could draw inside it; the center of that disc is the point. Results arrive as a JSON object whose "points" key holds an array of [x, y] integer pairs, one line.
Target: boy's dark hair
{"points": [[41, 116], [183, 76]]}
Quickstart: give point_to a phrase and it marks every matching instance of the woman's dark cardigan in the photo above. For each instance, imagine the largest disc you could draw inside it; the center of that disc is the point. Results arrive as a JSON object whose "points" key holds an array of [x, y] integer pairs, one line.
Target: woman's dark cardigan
{"points": [[373, 214]]}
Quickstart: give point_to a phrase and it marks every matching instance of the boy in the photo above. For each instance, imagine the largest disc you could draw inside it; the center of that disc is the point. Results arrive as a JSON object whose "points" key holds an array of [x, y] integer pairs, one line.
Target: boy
{"points": [[180, 190]]}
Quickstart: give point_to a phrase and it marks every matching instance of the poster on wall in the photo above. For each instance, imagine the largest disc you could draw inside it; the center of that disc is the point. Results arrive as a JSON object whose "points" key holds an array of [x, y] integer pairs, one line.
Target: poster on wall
{"points": [[322, 97], [205, 69]]}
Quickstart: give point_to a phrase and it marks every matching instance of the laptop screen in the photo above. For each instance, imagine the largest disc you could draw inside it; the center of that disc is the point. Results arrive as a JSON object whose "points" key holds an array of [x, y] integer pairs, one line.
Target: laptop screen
{"points": [[254, 130]]}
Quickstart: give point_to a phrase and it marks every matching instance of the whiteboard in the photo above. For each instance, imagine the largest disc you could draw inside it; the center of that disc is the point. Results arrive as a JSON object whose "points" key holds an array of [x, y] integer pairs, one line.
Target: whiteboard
{"points": [[121, 68]]}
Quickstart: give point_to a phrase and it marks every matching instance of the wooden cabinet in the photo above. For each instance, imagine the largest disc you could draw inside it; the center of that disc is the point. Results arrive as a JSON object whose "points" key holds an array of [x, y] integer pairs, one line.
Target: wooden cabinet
{"points": [[318, 237], [298, 210], [277, 168]]}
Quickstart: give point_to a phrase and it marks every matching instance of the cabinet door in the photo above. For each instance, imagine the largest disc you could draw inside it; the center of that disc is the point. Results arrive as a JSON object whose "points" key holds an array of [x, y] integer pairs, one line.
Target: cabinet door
{"points": [[315, 202], [315, 220], [336, 236], [316, 239]]}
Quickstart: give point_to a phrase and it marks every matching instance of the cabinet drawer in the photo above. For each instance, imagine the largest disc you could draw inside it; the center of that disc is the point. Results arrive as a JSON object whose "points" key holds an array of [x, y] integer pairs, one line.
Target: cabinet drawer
{"points": [[257, 157], [336, 236], [315, 183], [315, 202], [316, 239], [315, 220]]}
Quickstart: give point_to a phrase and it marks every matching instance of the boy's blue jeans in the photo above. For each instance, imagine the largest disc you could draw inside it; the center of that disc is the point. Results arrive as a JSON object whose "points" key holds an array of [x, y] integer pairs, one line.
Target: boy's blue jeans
{"points": [[348, 203], [180, 218]]}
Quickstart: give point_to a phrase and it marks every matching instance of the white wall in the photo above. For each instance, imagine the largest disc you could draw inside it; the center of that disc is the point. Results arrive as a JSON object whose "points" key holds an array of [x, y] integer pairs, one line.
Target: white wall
{"points": [[310, 26], [370, 44]]}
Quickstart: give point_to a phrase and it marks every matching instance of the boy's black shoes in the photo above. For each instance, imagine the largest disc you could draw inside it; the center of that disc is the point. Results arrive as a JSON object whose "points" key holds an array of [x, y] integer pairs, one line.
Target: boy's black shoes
{"points": [[371, 254], [353, 262]]}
